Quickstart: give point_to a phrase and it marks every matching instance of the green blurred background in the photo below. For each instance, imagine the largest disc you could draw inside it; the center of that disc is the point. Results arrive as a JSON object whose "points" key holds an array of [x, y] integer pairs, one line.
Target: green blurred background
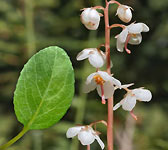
{"points": [[26, 26]]}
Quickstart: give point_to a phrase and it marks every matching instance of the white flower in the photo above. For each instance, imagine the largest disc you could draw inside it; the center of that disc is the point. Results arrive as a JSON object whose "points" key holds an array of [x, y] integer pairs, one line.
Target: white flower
{"points": [[129, 101], [104, 84], [90, 18], [124, 13], [132, 35], [86, 135], [96, 57]]}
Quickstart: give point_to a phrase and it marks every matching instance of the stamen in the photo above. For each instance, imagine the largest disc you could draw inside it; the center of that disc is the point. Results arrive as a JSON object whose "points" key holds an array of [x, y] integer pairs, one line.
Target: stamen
{"points": [[98, 79], [126, 43], [102, 94], [133, 115]]}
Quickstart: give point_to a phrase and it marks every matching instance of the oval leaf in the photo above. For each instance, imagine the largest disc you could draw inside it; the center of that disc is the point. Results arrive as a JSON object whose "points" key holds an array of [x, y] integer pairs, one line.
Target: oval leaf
{"points": [[45, 89]]}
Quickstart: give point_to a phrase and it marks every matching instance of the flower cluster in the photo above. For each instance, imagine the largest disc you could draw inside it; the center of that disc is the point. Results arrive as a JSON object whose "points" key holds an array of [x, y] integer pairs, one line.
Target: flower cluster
{"points": [[130, 34], [104, 82]]}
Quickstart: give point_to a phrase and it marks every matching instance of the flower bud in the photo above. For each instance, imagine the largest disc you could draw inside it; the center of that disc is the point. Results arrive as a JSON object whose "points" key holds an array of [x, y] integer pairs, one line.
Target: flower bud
{"points": [[90, 18], [124, 13]]}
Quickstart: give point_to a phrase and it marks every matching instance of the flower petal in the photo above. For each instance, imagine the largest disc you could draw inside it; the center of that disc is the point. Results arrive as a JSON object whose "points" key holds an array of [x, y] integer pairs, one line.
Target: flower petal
{"points": [[86, 137], [99, 141], [129, 102], [84, 54], [135, 28], [90, 18], [135, 39], [89, 87], [120, 45], [108, 89], [90, 77], [105, 76], [123, 35], [124, 13], [96, 60], [142, 94], [145, 27], [126, 85], [84, 15], [116, 106], [116, 82], [73, 131]]}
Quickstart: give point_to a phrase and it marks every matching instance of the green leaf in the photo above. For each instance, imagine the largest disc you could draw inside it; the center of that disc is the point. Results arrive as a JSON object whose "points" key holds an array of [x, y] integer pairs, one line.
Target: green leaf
{"points": [[45, 89]]}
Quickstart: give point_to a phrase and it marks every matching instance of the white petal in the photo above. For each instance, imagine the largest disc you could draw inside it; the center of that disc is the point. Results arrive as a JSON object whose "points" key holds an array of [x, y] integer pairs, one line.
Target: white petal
{"points": [[96, 60], [129, 102], [73, 131], [108, 90], [90, 18], [124, 13], [123, 35], [94, 18], [84, 54], [89, 87], [135, 28], [84, 15], [126, 85], [86, 137], [90, 77], [120, 45], [99, 141], [116, 106], [142, 94], [145, 27], [135, 39], [105, 76], [116, 82]]}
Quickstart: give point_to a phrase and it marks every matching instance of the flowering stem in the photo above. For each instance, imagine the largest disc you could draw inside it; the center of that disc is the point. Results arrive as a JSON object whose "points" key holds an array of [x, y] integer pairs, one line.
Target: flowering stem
{"points": [[88, 147], [100, 121], [117, 25], [110, 100]]}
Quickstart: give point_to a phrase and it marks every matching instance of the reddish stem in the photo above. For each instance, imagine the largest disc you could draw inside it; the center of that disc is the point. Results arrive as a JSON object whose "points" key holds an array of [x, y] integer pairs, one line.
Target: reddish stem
{"points": [[112, 2], [117, 25], [88, 147], [110, 100]]}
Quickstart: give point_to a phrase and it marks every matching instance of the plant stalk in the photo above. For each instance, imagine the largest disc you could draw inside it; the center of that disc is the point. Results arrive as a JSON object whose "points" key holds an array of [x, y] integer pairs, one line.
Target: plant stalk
{"points": [[88, 147], [12, 141], [110, 100]]}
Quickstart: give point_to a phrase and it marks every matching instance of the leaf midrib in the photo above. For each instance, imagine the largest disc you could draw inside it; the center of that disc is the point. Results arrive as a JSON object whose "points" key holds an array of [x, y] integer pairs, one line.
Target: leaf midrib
{"points": [[42, 100]]}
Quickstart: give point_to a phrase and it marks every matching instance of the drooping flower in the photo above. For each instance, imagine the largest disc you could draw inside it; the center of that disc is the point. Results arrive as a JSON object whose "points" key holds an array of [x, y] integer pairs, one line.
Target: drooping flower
{"points": [[124, 13], [104, 84], [129, 100], [86, 135], [96, 57], [90, 18], [131, 34]]}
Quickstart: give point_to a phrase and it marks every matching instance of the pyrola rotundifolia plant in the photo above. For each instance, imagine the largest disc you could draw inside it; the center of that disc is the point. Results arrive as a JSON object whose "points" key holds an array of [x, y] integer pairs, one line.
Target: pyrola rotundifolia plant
{"points": [[103, 80]]}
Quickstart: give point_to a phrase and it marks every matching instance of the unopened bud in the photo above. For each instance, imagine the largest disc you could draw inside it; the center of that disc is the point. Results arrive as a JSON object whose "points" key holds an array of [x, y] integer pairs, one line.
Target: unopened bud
{"points": [[124, 13], [90, 18]]}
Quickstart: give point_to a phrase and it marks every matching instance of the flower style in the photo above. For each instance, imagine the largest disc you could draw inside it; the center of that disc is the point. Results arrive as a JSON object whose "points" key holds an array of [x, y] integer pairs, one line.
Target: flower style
{"points": [[131, 34], [90, 18], [86, 135], [129, 100], [104, 84], [96, 57], [124, 13]]}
